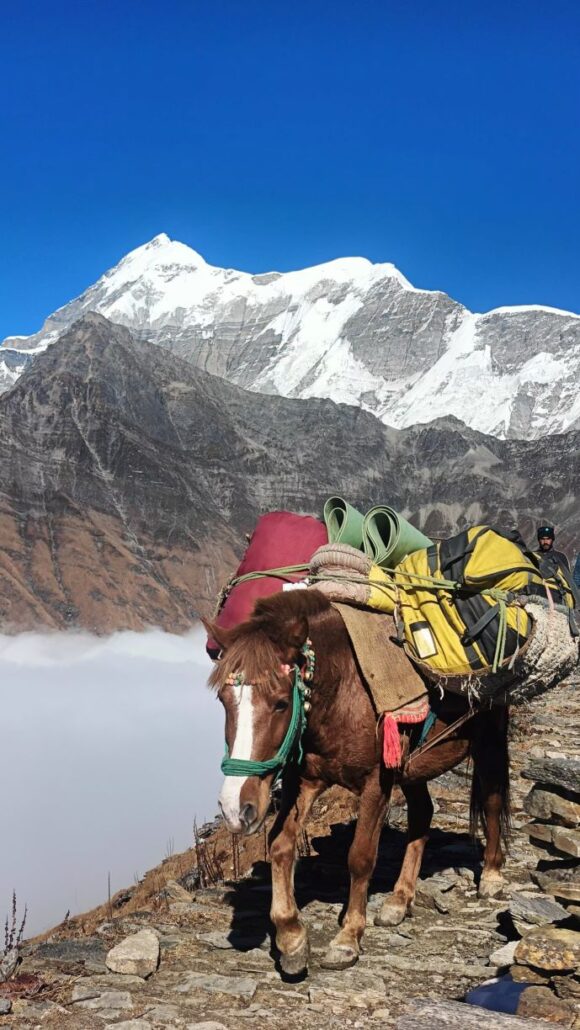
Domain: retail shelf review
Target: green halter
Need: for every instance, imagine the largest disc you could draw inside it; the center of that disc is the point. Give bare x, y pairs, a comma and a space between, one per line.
294, 733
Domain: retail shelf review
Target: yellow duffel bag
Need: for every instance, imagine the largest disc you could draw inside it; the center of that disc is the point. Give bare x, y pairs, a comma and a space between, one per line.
458, 608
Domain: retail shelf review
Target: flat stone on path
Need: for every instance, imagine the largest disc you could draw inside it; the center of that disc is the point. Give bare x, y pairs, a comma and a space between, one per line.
163, 1013
130, 1024
537, 909
91, 950
361, 999
438, 965
457, 1015
89, 998
238, 986
137, 954
209, 1024
5, 1006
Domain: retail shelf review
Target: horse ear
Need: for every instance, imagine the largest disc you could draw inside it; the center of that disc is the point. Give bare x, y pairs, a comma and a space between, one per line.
222, 636
294, 636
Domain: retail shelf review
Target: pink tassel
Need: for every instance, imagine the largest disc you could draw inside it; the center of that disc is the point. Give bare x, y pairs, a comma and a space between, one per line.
391, 742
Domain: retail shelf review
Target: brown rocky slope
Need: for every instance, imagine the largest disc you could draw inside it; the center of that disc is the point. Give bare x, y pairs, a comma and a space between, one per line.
128, 479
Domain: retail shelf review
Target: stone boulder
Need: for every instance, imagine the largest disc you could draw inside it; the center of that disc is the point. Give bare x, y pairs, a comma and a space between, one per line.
551, 948
137, 954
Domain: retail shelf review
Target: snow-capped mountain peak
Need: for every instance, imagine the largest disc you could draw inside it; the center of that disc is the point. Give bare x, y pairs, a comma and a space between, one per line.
356, 332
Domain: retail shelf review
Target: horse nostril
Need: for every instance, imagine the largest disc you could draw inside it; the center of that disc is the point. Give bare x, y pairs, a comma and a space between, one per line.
248, 813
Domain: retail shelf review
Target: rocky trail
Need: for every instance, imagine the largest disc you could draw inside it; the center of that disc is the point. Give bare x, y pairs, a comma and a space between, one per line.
195, 956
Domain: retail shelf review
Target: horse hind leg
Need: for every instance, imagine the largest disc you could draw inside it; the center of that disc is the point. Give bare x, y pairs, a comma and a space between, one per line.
492, 882
419, 814
490, 797
344, 950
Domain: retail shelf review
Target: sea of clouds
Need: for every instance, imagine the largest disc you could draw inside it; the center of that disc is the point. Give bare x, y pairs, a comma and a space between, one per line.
110, 748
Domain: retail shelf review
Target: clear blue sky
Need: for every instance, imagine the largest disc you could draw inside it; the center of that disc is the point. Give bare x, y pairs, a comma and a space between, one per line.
443, 136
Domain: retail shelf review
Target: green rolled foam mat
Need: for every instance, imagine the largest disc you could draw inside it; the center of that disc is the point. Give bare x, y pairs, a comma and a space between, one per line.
384, 535
344, 523
388, 537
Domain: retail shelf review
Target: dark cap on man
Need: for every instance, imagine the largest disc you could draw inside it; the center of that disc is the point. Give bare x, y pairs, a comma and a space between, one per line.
546, 531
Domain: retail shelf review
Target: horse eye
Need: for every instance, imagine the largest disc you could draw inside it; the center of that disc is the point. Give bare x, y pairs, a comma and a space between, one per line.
280, 706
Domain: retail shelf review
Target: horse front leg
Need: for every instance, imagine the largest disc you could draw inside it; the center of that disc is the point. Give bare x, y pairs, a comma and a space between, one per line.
419, 814
345, 948
291, 935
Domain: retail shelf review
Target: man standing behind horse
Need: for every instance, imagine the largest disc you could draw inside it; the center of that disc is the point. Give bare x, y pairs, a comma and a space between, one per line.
550, 559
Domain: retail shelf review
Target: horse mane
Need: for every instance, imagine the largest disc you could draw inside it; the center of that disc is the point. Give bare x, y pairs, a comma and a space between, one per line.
290, 604
253, 647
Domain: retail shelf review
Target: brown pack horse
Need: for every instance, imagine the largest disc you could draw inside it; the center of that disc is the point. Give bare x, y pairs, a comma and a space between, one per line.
253, 680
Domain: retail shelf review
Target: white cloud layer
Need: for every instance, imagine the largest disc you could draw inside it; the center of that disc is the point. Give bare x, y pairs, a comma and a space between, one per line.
111, 747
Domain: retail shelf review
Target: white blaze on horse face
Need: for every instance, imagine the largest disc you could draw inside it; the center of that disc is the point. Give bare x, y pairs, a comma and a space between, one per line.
229, 800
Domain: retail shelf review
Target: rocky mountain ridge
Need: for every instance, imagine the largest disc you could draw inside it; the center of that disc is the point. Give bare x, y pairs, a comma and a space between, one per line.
128, 479
348, 330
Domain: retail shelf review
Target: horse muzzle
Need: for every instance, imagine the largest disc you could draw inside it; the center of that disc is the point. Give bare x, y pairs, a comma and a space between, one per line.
241, 815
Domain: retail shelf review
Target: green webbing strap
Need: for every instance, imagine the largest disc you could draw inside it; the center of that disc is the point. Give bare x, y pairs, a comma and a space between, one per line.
284, 572
344, 523
411, 578
287, 572
501, 637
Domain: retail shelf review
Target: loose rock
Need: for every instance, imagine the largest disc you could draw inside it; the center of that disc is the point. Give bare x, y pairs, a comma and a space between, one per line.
551, 948
91, 952
536, 909
561, 771
239, 986
540, 1003
503, 956
130, 1024
89, 998
163, 1013
541, 804
138, 954
207, 1025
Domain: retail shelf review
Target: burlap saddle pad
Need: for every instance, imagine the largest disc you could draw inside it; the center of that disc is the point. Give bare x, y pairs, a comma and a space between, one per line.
394, 684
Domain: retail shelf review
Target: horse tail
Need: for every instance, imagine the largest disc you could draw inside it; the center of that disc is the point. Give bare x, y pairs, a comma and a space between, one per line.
491, 771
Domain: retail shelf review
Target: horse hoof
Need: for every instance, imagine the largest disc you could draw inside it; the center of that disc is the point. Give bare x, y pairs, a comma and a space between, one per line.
339, 956
490, 886
392, 914
295, 962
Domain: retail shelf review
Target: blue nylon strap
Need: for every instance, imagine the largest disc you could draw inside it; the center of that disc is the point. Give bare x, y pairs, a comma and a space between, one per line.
430, 721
